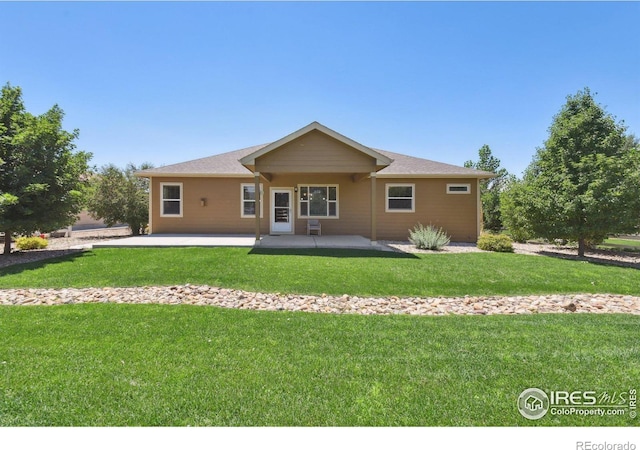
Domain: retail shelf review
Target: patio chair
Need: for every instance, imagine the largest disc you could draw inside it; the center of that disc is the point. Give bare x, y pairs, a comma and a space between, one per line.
314, 225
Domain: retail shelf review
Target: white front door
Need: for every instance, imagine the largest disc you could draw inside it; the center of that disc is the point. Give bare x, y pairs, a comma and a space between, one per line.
281, 211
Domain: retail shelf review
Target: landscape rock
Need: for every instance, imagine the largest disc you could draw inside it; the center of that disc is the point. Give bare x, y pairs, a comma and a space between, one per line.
342, 304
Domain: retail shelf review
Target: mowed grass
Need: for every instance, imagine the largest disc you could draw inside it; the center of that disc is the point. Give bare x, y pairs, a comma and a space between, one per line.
154, 365
330, 271
632, 245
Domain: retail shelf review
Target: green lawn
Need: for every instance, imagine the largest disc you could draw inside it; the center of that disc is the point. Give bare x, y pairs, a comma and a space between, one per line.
632, 245
106, 364
317, 271
148, 365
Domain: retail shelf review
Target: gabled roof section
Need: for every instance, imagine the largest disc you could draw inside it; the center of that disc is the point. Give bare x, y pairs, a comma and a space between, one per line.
381, 160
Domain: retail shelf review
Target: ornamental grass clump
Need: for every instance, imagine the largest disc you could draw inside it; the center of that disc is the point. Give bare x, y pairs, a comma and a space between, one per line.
428, 238
31, 243
495, 243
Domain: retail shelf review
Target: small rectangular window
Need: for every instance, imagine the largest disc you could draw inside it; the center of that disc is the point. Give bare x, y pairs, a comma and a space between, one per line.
400, 198
458, 188
248, 200
171, 199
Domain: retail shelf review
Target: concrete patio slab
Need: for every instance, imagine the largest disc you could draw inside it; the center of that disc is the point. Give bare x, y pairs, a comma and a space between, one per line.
180, 240
208, 240
298, 241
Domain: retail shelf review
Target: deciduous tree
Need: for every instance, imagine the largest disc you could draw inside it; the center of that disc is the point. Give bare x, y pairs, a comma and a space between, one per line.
512, 200
118, 196
42, 178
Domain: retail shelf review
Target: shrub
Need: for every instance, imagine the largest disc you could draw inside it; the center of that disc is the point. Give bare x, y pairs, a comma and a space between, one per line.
519, 234
428, 238
495, 243
31, 243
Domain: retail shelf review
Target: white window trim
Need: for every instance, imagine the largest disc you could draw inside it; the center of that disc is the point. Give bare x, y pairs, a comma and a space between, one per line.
297, 195
452, 185
162, 199
242, 200
413, 198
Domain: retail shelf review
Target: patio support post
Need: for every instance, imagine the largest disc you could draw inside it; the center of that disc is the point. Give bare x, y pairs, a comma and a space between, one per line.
373, 209
151, 205
258, 195
479, 220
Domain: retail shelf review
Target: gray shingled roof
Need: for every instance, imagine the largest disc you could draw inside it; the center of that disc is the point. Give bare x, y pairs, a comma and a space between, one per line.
224, 164
228, 165
405, 165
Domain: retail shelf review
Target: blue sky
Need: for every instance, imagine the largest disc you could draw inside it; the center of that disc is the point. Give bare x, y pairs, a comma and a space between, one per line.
169, 82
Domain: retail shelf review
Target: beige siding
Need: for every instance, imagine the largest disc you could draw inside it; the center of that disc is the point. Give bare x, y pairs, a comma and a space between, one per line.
221, 214
353, 203
456, 214
315, 152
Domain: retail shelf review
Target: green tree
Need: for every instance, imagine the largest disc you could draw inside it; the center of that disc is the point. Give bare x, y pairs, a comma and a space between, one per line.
584, 184
41, 178
491, 188
512, 201
632, 144
631, 141
118, 196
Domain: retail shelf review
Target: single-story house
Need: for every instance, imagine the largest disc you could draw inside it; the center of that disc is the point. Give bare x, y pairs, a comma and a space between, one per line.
314, 174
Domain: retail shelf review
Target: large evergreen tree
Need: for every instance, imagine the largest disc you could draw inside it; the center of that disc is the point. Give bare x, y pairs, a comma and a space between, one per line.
41, 178
584, 184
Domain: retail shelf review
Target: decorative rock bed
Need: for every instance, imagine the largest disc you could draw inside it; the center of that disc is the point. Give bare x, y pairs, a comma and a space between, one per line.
230, 298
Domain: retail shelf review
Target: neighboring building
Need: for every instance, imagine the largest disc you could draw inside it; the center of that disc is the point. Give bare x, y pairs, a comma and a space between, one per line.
314, 173
86, 222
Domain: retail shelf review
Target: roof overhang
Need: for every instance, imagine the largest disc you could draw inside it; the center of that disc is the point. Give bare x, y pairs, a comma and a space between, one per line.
482, 176
248, 174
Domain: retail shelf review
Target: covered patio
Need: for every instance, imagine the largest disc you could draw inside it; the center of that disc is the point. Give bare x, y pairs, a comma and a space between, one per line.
316, 174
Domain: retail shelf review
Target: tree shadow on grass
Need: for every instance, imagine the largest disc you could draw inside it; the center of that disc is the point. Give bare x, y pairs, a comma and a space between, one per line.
42, 259
331, 252
593, 258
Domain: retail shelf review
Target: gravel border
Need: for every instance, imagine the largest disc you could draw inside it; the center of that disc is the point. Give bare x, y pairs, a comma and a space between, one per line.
617, 258
345, 304
61, 246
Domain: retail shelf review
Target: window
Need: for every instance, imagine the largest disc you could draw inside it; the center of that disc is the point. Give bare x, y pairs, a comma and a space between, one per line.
400, 198
458, 188
171, 199
248, 200
318, 201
